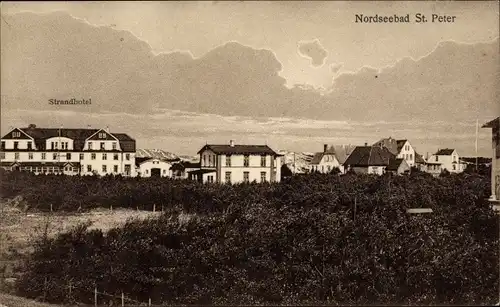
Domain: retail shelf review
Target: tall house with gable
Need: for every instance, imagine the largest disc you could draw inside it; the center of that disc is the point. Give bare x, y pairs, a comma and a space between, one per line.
237, 163
68, 151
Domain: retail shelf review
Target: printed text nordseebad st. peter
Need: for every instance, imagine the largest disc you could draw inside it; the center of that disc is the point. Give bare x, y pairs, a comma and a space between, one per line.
418, 18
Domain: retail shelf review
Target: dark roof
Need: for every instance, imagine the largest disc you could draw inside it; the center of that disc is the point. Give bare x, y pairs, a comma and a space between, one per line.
419, 158
444, 152
202, 171
393, 145
240, 149
183, 165
139, 160
79, 136
316, 159
369, 156
492, 124
342, 152
394, 164
400, 144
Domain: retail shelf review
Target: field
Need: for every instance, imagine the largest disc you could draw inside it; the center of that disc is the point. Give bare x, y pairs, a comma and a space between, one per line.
313, 239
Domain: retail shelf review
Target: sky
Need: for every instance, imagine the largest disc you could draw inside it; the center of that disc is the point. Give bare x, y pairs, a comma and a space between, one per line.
293, 75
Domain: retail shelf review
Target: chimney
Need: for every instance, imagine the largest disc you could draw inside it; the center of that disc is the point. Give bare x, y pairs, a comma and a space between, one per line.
325, 147
31, 126
366, 144
107, 129
231, 143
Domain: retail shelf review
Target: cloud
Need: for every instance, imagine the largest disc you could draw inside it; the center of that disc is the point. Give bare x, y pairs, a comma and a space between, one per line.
313, 51
56, 56
334, 68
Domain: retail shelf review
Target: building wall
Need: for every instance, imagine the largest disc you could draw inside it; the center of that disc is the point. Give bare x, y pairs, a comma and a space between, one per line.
327, 163
146, 166
446, 162
85, 158
237, 168
407, 153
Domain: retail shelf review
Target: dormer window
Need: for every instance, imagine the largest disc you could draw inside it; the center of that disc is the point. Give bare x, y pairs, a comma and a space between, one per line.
102, 135
16, 134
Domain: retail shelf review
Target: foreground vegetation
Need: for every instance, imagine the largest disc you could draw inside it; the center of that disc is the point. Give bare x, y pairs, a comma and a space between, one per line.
316, 239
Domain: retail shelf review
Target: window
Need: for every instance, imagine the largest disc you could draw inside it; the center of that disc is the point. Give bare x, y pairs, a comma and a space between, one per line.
16, 144
30, 156
54, 156
228, 162
105, 156
2, 155
262, 176
81, 156
127, 169
90, 145
246, 160
92, 156
228, 177
263, 161
29, 146
44, 156
89, 168
102, 135
115, 156
115, 168
210, 178
329, 168
454, 167
3, 144
16, 134
437, 158
114, 145
102, 146
454, 158
411, 156
204, 160
104, 168
68, 156
146, 171
127, 157
164, 172
246, 176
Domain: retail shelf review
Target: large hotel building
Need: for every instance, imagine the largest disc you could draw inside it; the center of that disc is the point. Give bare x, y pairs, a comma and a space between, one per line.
68, 151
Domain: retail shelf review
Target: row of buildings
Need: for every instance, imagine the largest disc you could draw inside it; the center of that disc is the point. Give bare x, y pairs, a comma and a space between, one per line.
101, 152
386, 155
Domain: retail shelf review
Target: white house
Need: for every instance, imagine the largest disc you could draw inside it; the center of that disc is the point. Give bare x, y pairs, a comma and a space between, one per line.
370, 160
68, 151
237, 163
449, 160
324, 162
153, 167
401, 148
495, 159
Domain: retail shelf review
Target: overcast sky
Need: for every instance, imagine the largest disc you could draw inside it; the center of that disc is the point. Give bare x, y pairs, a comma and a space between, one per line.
290, 74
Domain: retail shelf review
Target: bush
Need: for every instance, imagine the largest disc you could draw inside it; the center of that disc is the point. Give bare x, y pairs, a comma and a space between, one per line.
315, 239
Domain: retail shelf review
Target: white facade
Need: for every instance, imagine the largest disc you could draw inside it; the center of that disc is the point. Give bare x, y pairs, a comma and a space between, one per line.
51, 156
326, 164
238, 167
155, 167
450, 162
407, 153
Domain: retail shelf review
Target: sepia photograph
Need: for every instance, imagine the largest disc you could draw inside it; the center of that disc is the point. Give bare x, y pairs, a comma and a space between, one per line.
249, 153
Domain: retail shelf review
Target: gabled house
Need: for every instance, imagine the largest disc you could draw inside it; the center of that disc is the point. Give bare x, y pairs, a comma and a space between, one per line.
181, 170
397, 166
324, 162
495, 158
237, 163
420, 162
448, 159
68, 151
154, 167
369, 160
402, 149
